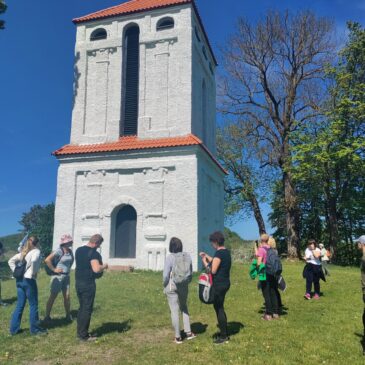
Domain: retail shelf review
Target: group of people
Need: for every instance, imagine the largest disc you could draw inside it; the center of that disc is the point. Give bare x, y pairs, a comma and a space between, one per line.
177, 275
89, 266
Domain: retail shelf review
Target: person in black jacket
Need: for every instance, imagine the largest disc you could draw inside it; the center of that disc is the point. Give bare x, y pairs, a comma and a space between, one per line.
89, 266
220, 266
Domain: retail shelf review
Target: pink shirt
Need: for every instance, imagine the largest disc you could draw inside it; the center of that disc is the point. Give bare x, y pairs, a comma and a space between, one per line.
262, 252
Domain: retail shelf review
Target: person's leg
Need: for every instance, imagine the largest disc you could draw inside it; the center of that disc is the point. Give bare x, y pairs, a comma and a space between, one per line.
55, 289
86, 297
173, 301
183, 298
66, 296
309, 281
50, 303
32, 296
273, 293
16, 317
316, 279
265, 287
219, 296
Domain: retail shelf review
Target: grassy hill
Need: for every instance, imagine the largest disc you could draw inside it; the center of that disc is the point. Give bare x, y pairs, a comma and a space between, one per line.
133, 321
11, 241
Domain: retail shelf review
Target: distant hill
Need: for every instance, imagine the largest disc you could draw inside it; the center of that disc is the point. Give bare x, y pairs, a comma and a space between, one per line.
234, 240
11, 241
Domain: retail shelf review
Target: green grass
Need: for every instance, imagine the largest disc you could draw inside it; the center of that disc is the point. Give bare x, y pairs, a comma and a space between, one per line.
132, 316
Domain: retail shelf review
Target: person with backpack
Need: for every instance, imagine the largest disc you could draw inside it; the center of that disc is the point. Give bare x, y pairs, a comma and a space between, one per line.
2, 251
177, 275
25, 266
89, 266
272, 244
269, 287
325, 258
220, 267
59, 265
312, 271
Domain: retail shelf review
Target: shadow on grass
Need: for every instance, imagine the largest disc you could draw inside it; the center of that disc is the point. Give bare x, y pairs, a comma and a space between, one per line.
362, 341
110, 327
282, 311
10, 300
198, 327
232, 329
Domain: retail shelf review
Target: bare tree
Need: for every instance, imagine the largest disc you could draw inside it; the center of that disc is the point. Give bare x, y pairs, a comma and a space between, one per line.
246, 184
273, 72
3, 8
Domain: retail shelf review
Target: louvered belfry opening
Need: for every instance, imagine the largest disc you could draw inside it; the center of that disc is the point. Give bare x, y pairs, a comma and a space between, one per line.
125, 232
130, 82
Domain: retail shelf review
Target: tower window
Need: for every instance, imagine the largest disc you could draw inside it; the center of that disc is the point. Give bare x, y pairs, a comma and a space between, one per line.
204, 52
197, 34
165, 23
211, 68
130, 81
98, 34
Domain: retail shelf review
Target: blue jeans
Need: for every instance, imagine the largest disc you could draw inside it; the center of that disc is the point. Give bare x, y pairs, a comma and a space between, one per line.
26, 289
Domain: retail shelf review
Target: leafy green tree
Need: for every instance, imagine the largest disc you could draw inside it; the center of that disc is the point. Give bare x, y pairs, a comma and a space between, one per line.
3, 8
40, 222
330, 156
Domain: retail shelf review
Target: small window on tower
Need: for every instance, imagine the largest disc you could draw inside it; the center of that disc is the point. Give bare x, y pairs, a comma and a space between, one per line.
197, 34
165, 23
204, 52
98, 34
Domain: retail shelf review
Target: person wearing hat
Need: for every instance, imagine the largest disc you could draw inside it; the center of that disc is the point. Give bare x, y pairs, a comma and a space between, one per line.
324, 259
60, 262
361, 245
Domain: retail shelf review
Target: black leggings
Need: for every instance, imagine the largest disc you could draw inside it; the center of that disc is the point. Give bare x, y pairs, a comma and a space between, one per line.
270, 292
313, 276
220, 292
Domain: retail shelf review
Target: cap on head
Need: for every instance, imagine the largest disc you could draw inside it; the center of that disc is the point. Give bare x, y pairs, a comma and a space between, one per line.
361, 240
66, 238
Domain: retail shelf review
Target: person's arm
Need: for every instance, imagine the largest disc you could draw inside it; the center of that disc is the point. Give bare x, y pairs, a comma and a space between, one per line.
167, 271
206, 259
259, 261
215, 264
13, 260
48, 262
316, 253
96, 267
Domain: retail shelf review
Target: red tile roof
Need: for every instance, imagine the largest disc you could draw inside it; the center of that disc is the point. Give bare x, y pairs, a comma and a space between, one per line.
131, 143
136, 6
133, 6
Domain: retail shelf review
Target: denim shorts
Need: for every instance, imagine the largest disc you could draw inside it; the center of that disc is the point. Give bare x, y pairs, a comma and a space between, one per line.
60, 283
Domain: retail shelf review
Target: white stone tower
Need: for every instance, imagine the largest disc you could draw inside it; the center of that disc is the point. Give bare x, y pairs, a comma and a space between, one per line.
140, 166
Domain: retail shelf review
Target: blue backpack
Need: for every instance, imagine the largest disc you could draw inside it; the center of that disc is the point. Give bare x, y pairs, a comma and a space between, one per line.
273, 263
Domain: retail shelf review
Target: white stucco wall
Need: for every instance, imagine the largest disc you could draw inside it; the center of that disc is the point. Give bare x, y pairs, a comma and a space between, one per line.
164, 78
203, 70
161, 186
210, 201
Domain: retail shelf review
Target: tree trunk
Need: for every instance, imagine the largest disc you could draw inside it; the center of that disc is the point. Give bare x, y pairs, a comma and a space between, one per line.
331, 214
257, 213
291, 208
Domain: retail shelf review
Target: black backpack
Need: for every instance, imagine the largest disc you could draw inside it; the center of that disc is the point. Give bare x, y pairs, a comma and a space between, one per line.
273, 263
20, 269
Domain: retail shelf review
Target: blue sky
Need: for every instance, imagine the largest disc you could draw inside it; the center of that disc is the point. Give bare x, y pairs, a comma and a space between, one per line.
36, 70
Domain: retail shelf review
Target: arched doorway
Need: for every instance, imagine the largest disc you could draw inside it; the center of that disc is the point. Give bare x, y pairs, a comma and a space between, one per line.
125, 232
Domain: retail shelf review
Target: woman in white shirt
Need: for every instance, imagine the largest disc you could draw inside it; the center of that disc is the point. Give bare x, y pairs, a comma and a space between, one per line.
313, 269
27, 287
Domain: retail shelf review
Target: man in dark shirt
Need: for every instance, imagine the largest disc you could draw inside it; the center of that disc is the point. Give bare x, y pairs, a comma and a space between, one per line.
89, 266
